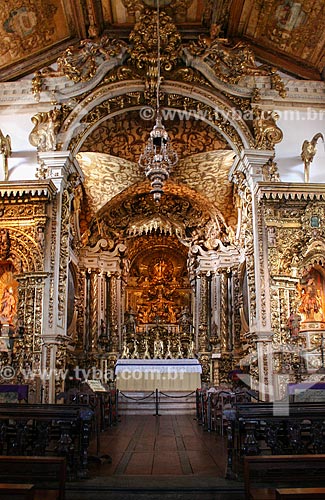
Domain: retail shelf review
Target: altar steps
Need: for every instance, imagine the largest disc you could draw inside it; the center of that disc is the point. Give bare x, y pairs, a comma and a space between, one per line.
144, 403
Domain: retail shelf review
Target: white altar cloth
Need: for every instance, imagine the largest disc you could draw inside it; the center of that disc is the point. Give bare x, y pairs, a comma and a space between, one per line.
162, 374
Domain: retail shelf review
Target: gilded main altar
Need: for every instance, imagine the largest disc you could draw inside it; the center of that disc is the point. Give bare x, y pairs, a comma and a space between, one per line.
229, 266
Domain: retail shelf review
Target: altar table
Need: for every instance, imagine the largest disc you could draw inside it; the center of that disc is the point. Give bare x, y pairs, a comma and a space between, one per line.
162, 374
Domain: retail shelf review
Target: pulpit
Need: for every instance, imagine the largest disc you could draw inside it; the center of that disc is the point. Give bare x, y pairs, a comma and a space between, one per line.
162, 374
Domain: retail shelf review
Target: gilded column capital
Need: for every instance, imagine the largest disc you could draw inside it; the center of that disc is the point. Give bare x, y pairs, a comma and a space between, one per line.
250, 163
59, 166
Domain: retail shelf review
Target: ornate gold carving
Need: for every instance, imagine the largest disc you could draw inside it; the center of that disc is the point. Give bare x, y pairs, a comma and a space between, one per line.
270, 171
37, 85
5, 244
117, 220
261, 243
144, 52
308, 152
231, 63
94, 306
176, 8
159, 293
223, 311
189, 75
267, 134
80, 308
243, 200
63, 256
124, 139
46, 126
5, 151
81, 63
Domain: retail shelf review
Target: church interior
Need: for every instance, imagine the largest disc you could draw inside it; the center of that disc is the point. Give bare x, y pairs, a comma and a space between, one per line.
162, 257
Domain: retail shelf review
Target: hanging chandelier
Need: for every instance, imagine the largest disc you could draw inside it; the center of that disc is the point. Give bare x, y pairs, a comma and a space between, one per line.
158, 157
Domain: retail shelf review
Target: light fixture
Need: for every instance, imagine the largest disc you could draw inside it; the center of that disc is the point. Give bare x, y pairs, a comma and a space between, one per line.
158, 157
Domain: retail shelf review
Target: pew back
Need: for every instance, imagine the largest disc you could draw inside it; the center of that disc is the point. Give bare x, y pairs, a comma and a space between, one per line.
264, 474
47, 474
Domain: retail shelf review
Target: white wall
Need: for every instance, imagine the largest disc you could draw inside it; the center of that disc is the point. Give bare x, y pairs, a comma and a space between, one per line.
17, 123
298, 125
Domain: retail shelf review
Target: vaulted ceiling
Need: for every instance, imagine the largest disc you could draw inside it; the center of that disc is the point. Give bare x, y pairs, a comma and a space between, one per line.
289, 34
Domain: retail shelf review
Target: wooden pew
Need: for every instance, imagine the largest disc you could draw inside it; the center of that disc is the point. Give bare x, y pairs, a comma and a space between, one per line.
267, 428
16, 491
300, 494
44, 429
264, 474
47, 474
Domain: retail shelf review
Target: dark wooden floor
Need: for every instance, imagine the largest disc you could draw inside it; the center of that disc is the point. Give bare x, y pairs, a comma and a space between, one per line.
168, 457
165, 445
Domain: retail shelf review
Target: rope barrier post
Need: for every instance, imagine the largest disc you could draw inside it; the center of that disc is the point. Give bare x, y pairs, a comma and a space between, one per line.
197, 400
157, 404
209, 412
116, 405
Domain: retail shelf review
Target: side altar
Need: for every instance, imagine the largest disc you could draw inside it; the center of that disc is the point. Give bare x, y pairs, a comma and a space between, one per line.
162, 374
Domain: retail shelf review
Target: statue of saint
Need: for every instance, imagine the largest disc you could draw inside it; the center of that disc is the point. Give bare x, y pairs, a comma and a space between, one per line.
8, 305
294, 324
310, 301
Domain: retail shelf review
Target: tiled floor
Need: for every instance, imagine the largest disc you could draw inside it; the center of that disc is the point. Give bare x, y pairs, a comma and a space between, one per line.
168, 457
165, 445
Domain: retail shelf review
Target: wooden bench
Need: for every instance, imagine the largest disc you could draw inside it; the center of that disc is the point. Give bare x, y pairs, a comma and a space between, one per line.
264, 474
300, 494
47, 474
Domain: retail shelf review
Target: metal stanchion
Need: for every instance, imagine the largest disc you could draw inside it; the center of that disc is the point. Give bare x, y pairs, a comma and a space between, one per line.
157, 403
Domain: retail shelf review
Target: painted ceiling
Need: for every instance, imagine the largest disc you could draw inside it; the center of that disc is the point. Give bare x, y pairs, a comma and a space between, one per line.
287, 33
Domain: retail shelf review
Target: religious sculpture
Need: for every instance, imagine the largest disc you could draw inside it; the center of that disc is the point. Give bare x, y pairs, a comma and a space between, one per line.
8, 306
125, 351
310, 301
158, 348
130, 322
146, 354
169, 354
293, 324
135, 354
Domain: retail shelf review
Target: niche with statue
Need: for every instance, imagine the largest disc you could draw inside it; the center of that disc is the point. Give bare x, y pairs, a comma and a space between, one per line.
311, 300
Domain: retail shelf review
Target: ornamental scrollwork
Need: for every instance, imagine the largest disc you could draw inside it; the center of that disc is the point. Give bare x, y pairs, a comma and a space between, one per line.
232, 62
266, 132
81, 63
46, 127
